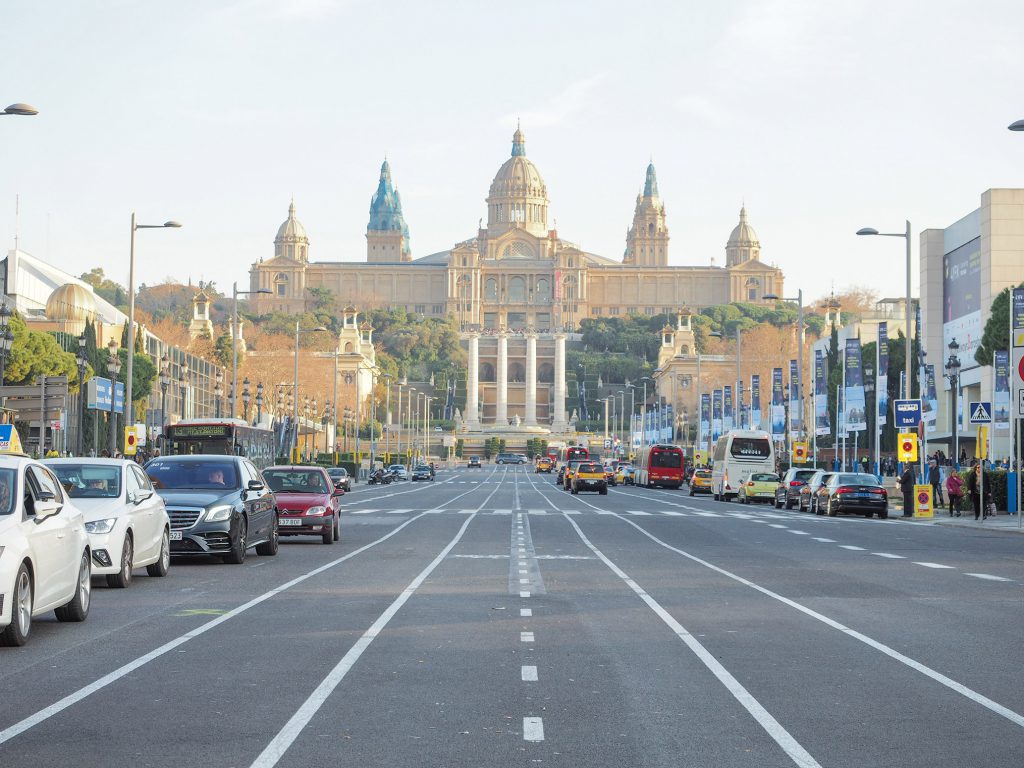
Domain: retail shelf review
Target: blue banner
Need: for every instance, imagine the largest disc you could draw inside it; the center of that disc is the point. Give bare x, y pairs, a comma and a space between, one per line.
1001, 398
716, 415
854, 407
755, 401
795, 411
931, 401
705, 418
882, 377
822, 422
727, 418
778, 406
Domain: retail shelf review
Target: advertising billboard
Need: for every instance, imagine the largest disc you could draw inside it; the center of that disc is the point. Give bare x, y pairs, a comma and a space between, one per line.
961, 297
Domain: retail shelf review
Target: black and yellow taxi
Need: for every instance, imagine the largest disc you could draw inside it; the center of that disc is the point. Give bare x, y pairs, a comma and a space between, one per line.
590, 476
700, 482
545, 464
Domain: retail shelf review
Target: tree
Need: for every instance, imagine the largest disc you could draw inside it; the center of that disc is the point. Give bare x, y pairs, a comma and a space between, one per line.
34, 354
997, 329
106, 288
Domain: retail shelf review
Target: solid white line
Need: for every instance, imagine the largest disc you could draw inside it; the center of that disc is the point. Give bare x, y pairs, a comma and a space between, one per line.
523, 571
886, 554
1014, 717
397, 511
671, 513
526, 611
529, 674
772, 727
524, 581
934, 565
987, 577
526, 637
275, 750
533, 729
851, 547
73, 698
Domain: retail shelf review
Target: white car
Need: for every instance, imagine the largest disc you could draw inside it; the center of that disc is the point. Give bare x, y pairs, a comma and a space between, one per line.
401, 473
126, 520
45, 562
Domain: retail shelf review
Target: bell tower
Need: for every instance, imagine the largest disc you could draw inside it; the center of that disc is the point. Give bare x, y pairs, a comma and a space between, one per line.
387, 234
647, 239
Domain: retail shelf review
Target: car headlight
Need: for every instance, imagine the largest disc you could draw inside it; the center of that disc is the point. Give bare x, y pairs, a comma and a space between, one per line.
314, 511
219, 513
101, 526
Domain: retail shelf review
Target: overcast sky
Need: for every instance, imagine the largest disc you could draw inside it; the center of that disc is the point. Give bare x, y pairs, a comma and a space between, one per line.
823, 116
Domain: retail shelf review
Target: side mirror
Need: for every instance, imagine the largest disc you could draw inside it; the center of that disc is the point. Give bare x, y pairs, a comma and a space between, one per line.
338, 491
46, 506
137, 497
255, 485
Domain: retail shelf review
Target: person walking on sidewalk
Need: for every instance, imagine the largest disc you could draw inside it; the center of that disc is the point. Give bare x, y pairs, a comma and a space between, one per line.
935, 480
907, 480
973, 483
955, 491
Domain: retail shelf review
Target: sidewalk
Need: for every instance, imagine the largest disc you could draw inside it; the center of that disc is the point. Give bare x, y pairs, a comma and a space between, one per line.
1001, 521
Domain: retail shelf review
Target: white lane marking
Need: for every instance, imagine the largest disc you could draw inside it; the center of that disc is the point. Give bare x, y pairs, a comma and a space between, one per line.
73, 698
523, 571
537, 511
502, 512
275, 750
886, 554
851, 548
529, 674
824, 541
526, 637
397, 511
777, 525
934, 565
800, 533
987, 577
524, 594
772, 727
605, 512
990, 704
533, 729
670, 513
637, 512
526, 612
361, 511
707, 514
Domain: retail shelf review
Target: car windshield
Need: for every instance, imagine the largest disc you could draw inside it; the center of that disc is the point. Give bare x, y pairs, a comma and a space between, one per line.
397, 467
857, 479
422, 468
8, 478
193, 474
296, 481
89, 481
764, 477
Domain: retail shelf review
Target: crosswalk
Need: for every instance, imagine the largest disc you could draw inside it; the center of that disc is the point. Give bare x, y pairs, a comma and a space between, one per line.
540, 512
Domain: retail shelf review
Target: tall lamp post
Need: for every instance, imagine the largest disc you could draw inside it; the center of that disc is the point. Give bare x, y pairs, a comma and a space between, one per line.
906, 235
246, 397
295, 412
387, 417
799, 299
622, 418
81, 361
235, 293
953, 374
113, 368
218, 393
6, 338
183, 383
165, 382
259, 402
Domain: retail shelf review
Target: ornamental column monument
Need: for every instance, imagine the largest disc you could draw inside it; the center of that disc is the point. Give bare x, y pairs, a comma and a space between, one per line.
501, 401
472, 414
559, 422
531, 380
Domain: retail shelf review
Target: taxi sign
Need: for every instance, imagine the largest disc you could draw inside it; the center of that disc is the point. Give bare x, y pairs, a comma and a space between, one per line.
907, 413
906, 445
799, 453
10, 441
131, 442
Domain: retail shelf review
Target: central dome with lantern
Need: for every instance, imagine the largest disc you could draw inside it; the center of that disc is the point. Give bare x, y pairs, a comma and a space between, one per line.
518, 198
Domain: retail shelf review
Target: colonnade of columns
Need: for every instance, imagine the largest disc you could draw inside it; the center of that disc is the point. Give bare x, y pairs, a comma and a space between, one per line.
472, 415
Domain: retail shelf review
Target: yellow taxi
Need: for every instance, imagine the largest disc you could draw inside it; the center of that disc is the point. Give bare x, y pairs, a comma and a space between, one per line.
590, 476
700, 482
544, 464
569, 471
624, 474
760, 486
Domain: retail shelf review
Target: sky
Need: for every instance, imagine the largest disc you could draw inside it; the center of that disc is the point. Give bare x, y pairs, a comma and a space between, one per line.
822, 117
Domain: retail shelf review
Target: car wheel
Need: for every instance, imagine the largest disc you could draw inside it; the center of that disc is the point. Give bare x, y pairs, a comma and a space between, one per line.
603, 491
269, 547
778, 504
883, 515
328, 535
337, 528
78, 608
163, 564
238, 547
123, 577
830, 511
789, 502
16, 633
574, 491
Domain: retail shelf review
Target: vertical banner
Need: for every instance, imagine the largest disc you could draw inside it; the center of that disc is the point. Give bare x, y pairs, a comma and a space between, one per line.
795, 411
716, 415
1001, 397
727, 419
1017, 317
739, 405
856, 418
705, 418
821, 418
755, 401
931, 405
778, 407
882, 377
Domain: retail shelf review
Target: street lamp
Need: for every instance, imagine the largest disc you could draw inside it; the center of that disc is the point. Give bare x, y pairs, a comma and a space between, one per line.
81, 361
6, 337
953, 374
165, 382
295, 412
183, 383
622, 418
1017, 125
113, 368
643, 412
246, 397
25, 110
131, 304
218, 392
906, 235
800, 348
259, 403
235, 293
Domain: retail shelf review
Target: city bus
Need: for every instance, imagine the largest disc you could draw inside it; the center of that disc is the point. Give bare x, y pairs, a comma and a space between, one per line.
738, 454
222, 437
660, 464
572, 453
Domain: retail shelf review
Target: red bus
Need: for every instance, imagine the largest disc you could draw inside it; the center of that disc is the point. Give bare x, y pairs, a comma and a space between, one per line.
660, 464
572, 453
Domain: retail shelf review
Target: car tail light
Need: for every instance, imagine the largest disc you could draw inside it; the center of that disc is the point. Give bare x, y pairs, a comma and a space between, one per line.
750, 484
795, 483
844, 490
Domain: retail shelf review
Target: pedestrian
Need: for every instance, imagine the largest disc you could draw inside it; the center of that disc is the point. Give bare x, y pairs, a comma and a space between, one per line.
935, 480
979, 502
907, 480
954, 491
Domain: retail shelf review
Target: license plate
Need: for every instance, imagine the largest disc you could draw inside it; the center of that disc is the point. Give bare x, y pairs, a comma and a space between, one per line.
175, 535
862, 495
289, 521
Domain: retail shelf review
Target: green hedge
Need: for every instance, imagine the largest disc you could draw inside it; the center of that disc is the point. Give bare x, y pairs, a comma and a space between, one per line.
995, 481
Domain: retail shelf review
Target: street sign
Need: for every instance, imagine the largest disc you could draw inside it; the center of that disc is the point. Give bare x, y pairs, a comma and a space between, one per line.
906, 444
923, 501
799, 453
907, 413
980, 412
1020, 403
608, 443
130, 441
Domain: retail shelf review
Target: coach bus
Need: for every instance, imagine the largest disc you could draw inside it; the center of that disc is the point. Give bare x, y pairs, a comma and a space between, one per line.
738, 454
660, 464
222, 437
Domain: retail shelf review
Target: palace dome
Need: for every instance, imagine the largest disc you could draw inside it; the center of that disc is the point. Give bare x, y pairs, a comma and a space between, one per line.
518, 197
743, 233
291, 231
71, 303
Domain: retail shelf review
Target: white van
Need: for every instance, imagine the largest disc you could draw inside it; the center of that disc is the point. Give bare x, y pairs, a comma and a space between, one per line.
738, 454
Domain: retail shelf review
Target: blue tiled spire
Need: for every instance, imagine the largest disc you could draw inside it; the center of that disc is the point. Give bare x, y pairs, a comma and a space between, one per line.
651, 184
386, 206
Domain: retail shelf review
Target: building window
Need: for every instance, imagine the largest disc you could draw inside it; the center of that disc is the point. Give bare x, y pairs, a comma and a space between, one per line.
280, 290
517, 289
419, 309
649, 311
595, 310
438, 309
491, 289
613, 310
543, 289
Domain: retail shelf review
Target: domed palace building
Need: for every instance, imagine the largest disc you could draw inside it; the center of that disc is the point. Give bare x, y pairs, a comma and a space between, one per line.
517, 288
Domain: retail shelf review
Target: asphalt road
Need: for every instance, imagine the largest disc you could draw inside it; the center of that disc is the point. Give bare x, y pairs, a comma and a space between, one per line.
491, 619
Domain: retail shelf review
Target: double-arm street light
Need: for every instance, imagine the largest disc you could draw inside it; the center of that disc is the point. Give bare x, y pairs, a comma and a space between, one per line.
235, 293
870, 231
953, 374
799, 299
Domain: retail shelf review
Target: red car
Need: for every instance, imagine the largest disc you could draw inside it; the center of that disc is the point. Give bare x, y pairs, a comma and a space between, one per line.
308, 504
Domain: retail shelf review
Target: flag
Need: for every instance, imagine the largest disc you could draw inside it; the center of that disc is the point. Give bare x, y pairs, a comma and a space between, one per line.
716, 415
795, 414
1001, 397
882, 376
822, 423
705, 418
727, 418
755, 401
856, 418
778, 407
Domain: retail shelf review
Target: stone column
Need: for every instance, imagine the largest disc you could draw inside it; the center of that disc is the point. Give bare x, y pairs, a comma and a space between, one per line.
531, 380
501, 401
472, 414
559, 423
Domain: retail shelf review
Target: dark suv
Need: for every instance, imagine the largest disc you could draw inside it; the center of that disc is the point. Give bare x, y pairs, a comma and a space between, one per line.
509, 458
788, 493
218, 505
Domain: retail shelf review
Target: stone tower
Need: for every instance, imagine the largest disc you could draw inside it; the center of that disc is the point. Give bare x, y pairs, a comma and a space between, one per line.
647, 239
201, 326
387, 234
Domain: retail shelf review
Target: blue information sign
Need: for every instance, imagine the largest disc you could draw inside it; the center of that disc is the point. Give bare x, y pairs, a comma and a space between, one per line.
907, 413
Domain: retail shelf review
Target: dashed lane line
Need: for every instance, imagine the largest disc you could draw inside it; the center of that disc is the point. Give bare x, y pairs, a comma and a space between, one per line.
987, 577
935, 565
533, 729
529, 674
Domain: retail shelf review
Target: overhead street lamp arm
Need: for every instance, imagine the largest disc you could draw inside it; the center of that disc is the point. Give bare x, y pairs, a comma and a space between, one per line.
25, 110
1017, 125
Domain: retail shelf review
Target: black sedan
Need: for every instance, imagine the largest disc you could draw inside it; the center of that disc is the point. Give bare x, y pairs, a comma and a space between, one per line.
341, 478
422, 472
854, 492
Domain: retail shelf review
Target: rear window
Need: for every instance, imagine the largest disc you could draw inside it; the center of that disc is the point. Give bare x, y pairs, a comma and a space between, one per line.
764, 477
703, 473
590, 468
667, 459
858, 479
804, 474
751, 448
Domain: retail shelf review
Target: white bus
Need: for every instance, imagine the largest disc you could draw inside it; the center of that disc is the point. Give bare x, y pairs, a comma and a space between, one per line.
738, 454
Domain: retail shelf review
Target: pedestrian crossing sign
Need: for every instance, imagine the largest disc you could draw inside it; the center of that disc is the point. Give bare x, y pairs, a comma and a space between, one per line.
981, 412
906, 443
